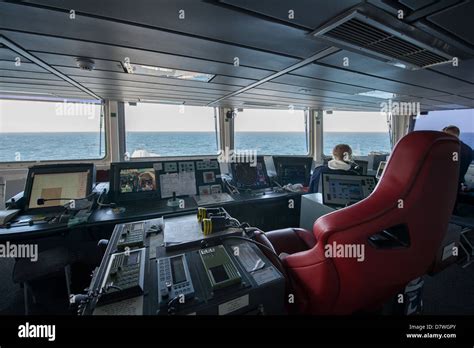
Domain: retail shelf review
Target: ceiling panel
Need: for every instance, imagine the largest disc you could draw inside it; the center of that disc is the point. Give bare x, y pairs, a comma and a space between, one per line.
212, 34
316, 91
307, 13
297, 96
464, 71
100, 74
25, 86
462, 25
302, 81
41, 91
421, 77
200, 19
467, 102
34, 81
247, 102
373, 83
160, 84
155, 97
28, 74
9, 55
417, 4
40, 21
22, 66
143, 94
33, 42
71, 61
172, 89
230, 80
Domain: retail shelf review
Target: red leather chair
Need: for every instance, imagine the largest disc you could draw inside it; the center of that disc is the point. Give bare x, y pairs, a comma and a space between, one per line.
400, 225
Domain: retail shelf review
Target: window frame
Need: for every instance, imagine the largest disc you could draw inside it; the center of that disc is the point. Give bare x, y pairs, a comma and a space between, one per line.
217, 129
324, 155
97, 161
308, 134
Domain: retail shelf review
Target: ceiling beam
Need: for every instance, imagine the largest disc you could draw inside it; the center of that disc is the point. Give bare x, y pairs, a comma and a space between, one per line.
14, 47
319, 55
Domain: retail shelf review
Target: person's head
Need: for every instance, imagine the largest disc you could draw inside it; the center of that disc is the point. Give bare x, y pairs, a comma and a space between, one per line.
453, 130
342, 152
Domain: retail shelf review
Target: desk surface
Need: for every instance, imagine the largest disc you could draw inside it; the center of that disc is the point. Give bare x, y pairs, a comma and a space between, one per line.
136, 210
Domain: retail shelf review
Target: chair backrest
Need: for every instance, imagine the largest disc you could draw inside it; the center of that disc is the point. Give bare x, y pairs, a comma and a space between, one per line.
367, 252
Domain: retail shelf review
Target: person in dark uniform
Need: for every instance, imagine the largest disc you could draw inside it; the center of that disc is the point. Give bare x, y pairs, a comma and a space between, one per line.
341, 163
465, 154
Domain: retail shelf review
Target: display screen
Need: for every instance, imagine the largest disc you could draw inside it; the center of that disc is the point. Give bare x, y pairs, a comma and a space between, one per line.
295, 174
346, 189
177, 269
136, 227
250, 176
380, 169
137, 180
58, 185
219, 274
133, 258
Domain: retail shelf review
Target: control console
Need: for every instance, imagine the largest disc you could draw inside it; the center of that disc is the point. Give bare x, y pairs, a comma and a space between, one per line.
132, 235
124, 276
174, 278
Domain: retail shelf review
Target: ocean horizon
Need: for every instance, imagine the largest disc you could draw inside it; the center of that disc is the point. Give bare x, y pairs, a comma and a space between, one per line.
89, 145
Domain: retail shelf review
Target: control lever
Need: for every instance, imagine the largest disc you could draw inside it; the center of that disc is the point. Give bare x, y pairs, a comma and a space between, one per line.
173, 202
102, 246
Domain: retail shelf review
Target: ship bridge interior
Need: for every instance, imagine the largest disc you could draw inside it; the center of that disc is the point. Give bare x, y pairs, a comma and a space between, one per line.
406, 62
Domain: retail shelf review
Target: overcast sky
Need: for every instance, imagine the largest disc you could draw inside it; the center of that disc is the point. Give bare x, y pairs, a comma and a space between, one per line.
35, 116
26, 116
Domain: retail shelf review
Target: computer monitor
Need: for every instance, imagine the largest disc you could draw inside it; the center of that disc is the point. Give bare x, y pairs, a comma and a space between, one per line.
380, 169
293, 170
134, 181
362, 166
343, 189
55, 185
249, 175
375, 159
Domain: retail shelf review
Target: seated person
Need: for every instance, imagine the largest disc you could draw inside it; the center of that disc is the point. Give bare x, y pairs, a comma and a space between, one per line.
340, 164
465, 154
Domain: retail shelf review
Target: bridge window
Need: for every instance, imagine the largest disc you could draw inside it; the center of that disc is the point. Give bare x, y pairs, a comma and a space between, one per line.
44, 130
271, 132
364, 132
437, 120
154, 130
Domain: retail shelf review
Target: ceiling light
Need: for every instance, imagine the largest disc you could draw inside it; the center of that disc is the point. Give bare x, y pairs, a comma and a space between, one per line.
378, 94
166, 72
